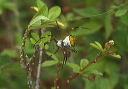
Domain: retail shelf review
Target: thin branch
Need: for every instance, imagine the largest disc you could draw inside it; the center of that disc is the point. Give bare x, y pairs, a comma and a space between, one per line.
57, 76
24, 63
76, 74
39, 70
39, 65
23, 56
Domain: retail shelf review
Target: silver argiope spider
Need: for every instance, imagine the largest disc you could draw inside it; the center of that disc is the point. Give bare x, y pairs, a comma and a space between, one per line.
65, 44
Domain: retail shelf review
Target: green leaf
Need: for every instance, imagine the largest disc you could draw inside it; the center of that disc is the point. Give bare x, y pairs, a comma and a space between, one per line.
95, 46
75, 67
95, 72
48, 33
33, 41
5, 61
10, 52
117, 56
38, 25
15, 69
46, 37
83, 62
53, 56
35, 36
88, 12
38, 18
90, 67
42, 11
54, 12
44, 46
40, 4
99, 45
121, 12
94, 25
49, 63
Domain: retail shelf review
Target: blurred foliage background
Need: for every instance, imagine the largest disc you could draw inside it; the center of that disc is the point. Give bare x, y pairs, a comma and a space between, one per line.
107, 19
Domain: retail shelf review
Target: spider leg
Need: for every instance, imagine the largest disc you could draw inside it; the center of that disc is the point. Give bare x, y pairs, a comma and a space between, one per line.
53, 38
64, 61
65, 57
54, 52
73, 50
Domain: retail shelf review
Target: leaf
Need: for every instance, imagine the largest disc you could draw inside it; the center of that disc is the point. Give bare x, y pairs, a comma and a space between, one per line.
54, 12
95, 72
75, 67
42, 11
44, 46
93, 25
38, 18
40, 4
95, 46
121, 12
53, 56
5, 60
88, 12
38, 25
90, 67
49, 63
48, 33
46, 37
117, 56
99, 45
33, 41
35, 36
10, 52
83, 62
15, 69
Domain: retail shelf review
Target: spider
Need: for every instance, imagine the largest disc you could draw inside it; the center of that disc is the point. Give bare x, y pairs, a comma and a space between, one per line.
66, 44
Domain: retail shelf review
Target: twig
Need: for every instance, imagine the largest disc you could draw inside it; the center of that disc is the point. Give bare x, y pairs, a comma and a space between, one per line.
23, 56
76, 74
57, 76
24, 63
39, 70
39, 65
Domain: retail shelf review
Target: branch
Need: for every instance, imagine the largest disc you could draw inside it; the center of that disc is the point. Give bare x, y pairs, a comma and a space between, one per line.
24, 63
57, 76
39, 70
39, 65
76, 74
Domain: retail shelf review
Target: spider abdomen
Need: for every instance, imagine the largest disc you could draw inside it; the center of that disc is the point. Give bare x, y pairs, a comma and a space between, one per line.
68, 41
